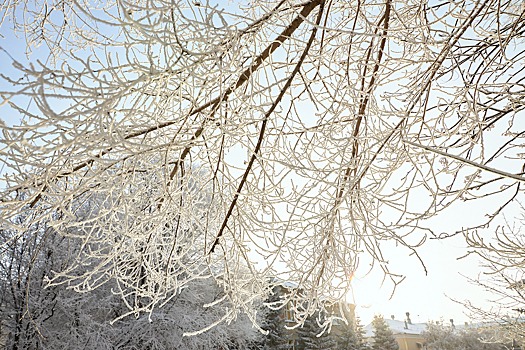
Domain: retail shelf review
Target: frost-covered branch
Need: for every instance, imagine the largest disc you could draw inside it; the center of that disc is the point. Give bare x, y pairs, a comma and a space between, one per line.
179, 141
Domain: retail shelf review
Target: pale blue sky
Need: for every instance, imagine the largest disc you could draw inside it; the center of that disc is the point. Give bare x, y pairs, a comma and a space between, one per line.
428, 297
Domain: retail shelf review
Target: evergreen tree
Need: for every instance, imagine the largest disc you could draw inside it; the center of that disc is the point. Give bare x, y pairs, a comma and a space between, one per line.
305, 334
278, 337
352, 337
383, 336
360, 335
308, 339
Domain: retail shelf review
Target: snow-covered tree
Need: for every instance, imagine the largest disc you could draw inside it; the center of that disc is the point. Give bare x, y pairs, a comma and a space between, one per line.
309, 336
352, 336
274, 322
383, 338
503, 263
325, 129
25, 304
57, 317
442, 337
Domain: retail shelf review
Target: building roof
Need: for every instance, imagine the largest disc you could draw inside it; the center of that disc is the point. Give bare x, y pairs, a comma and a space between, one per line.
285, 283
398, 327
289, 284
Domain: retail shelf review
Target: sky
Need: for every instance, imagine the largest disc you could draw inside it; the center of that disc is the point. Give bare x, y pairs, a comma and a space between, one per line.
437, 295
425, 296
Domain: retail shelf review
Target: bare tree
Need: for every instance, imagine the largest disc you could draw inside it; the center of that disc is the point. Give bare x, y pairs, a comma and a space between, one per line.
292, 137
25, 262
57, 317
439, 336
503, 277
